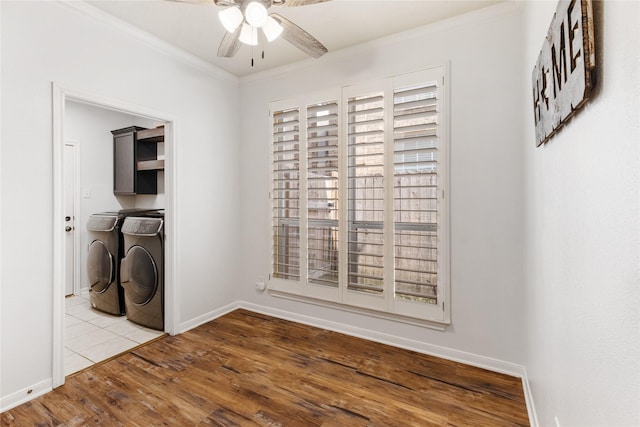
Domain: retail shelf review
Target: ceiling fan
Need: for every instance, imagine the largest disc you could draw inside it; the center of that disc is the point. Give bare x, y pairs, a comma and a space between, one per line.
244, 18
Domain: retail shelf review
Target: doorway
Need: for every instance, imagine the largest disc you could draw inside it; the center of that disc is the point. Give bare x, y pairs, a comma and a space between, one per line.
66, 259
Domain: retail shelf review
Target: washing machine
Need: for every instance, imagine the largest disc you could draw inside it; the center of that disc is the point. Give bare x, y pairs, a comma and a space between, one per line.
142, 269
103, 260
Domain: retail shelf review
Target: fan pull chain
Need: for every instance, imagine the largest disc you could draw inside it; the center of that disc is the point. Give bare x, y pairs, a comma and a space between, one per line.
253, 51
261, 41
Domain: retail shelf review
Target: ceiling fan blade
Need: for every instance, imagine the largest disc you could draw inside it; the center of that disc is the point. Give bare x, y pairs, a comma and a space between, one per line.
293, 3
300, 38
204, 2
230, 44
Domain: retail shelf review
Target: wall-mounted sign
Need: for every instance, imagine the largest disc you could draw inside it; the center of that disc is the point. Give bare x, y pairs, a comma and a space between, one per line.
562, 77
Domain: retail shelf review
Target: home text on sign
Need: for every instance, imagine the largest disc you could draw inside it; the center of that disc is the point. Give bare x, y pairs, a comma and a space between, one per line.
562, 75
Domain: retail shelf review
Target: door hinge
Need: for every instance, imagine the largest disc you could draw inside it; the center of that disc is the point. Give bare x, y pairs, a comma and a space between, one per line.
442, 305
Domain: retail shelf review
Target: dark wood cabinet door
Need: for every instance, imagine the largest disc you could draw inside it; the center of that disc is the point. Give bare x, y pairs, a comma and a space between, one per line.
124, 164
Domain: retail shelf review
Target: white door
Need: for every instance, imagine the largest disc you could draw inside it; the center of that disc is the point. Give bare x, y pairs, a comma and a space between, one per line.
69, 217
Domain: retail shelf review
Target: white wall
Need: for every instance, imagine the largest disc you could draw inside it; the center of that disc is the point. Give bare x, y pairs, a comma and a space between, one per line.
486, 163
89, 128
545, 241
582, 235
44, 42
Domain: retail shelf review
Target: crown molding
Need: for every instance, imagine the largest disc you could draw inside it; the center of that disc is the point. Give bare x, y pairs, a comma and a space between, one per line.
474, 17
149, 40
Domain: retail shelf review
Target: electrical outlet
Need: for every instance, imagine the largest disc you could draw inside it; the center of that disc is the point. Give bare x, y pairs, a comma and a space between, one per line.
260, 284
557, 421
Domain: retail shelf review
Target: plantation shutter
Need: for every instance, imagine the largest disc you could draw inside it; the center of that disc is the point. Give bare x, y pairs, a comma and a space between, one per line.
365, 210
360, 175
415, 130
322, 193
286, 194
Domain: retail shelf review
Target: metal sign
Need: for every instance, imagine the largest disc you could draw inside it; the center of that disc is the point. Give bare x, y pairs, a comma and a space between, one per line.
562, 77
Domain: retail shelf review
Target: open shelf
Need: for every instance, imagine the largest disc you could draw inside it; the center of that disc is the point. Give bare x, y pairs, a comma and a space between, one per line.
151, 135
148, 165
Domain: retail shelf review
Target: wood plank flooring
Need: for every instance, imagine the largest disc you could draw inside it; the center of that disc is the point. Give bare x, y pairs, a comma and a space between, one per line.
247, 369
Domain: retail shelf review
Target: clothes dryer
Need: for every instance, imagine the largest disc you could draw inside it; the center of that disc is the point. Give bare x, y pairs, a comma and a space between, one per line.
142, 269
103, 260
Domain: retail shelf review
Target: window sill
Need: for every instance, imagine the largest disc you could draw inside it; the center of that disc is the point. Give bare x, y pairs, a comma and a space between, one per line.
438, 325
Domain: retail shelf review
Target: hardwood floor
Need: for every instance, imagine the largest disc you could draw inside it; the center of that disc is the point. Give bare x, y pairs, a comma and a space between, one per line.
249, 369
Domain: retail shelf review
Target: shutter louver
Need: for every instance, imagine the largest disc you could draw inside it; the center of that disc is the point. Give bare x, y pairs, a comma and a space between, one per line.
416, 192
365, 211
286, 194
322, 193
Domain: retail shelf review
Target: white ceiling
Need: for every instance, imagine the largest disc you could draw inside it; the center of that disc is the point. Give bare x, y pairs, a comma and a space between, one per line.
337, 24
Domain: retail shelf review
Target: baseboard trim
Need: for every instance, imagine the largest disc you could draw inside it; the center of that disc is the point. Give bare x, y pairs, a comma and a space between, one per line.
25, 395
472, 359
528, 396
407, 344
207, 317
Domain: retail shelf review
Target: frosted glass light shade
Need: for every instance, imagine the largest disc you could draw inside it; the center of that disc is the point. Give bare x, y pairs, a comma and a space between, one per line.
230, 17
255, 14
272, 29
249, 35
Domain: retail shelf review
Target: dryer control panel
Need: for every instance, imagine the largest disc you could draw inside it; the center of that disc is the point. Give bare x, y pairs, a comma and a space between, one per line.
137, 226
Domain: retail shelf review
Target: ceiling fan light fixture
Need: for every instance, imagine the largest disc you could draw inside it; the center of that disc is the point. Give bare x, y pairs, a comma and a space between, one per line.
272, 29
255, 14
231, 17
249, 35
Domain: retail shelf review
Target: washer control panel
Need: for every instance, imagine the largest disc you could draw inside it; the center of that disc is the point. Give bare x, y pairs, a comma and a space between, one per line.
102, 222
137, 226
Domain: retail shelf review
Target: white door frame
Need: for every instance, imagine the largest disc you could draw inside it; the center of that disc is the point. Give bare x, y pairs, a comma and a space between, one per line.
60, 96
76, 215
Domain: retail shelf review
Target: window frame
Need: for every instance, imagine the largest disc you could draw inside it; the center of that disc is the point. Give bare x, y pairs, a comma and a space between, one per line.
386, 305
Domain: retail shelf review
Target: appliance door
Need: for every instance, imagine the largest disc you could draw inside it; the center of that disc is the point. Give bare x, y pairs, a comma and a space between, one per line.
139, 275
100, 267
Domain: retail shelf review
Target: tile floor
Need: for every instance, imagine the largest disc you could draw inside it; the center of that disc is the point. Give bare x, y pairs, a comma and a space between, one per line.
92, 336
